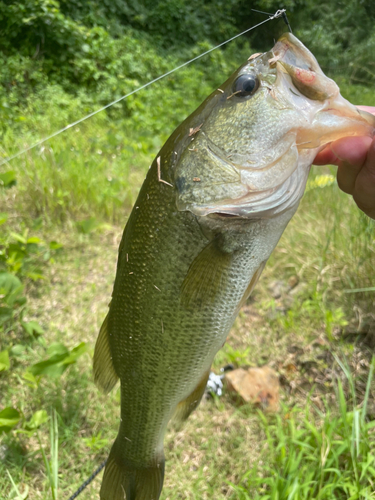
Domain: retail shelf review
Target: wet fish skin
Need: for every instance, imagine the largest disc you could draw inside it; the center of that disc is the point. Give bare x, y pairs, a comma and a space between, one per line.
214, 204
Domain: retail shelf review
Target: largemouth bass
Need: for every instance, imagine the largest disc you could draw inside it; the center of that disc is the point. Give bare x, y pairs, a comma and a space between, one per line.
213, 206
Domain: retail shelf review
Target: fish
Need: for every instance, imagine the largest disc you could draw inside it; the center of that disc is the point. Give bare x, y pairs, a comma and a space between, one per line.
212, 208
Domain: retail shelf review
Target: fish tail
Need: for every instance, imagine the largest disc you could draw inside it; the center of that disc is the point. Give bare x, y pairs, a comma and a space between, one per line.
122, 481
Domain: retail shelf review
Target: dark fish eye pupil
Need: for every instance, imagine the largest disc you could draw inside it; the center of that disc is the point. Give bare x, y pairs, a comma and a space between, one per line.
248, 86
245, 85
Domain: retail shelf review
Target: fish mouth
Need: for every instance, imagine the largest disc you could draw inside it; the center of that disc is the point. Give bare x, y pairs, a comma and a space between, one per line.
331, 116
293, 58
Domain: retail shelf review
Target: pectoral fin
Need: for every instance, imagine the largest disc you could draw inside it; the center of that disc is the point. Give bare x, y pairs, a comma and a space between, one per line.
105, 375
207, 275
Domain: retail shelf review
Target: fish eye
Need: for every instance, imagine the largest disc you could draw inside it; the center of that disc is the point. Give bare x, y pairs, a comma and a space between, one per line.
245, 85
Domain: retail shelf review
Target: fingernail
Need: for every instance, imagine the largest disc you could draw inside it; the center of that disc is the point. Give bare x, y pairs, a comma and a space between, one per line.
337, 157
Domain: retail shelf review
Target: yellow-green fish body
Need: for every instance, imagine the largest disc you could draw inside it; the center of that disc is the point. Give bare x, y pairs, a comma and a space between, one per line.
212, 208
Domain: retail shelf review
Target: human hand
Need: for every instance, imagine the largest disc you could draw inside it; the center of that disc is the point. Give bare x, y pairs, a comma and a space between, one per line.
355, 158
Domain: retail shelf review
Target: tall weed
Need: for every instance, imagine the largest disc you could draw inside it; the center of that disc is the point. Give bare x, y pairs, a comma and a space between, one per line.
322, 455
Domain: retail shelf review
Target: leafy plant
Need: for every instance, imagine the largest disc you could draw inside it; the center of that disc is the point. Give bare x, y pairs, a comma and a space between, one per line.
60, 358
12, 300
24, 255
9, 418
96, 442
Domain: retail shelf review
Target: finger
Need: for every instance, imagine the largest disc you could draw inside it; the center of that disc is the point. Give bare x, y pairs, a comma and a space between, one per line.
352, 150
351, 154
364, 192
369, 109
326, 157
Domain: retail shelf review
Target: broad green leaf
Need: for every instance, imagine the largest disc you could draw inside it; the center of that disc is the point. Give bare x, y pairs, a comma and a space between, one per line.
9, 283
33, 240
31, 380
59, 360
19, 237
12, 291
6, 313
35, 276
53, 366
54, 245
4, 361
56, 348
32, 328
18, 350
76, 353
9, 417
38, 418
8, 179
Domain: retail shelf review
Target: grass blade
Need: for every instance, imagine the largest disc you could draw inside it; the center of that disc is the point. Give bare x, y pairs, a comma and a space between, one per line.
367, 393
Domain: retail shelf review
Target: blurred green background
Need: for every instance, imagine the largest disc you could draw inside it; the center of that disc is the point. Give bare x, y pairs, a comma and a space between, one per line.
62, 209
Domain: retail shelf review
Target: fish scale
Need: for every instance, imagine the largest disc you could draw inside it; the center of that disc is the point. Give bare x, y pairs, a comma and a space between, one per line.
212, 208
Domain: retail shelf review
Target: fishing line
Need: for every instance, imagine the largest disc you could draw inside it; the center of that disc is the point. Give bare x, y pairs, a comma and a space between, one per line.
279, 13
88, 481
283, 14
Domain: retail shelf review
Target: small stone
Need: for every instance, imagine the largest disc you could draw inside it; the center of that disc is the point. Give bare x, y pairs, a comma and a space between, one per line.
259, 386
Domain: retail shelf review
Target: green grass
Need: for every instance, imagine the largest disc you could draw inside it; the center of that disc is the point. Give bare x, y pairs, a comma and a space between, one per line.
301, 321
319, 454
95, 168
